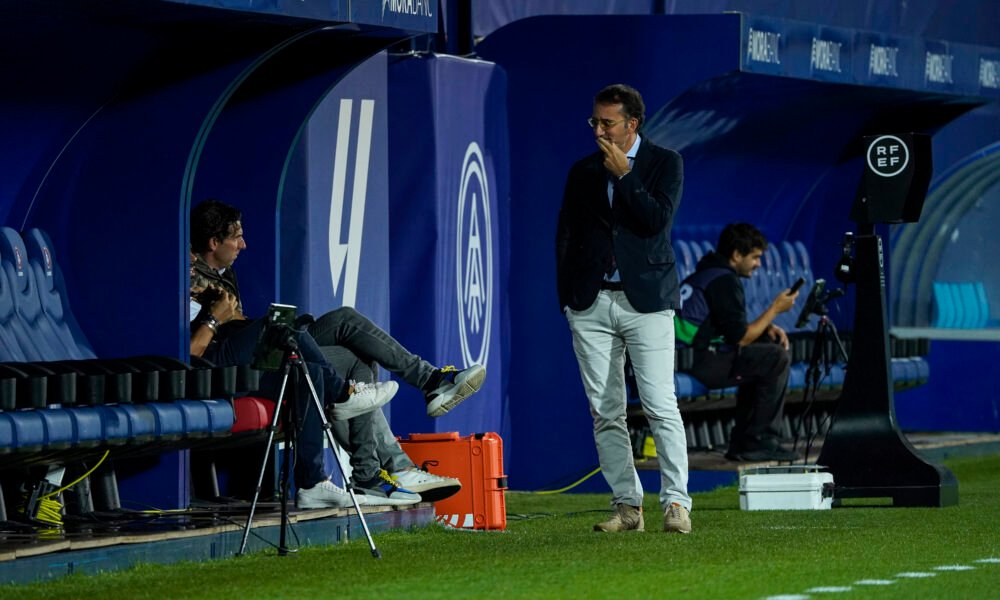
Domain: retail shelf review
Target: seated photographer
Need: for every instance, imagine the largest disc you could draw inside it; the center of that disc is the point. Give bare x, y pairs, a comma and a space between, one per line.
222, 336
215, 247
216, 235
729, 351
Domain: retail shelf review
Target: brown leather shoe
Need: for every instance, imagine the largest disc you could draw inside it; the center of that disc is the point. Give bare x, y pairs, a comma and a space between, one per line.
676, 519
625, 518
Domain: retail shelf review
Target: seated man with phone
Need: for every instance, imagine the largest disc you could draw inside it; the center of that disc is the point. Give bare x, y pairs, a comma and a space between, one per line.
730, 351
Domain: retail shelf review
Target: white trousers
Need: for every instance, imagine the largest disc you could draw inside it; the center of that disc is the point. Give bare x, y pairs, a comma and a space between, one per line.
601, 334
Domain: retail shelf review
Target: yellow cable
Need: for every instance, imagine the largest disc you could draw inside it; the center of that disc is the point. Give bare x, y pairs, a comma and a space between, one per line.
49, 512
79, 479
160, 511
50, 509
574, 484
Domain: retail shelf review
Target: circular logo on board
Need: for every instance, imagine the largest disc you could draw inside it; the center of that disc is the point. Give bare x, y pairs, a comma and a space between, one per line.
888, 156
474, 259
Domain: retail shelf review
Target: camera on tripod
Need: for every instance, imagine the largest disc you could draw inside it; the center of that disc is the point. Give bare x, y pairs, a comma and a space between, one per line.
277, 350
277, 338
816, 302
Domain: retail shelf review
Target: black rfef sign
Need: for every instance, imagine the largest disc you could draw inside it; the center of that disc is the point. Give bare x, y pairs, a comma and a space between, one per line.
897, 171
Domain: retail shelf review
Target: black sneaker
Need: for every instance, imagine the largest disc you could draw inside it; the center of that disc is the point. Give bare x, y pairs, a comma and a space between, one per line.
451, 387
764, 455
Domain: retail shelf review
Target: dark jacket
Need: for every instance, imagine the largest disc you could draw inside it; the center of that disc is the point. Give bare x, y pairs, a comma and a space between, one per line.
714, 310
636, 231
202, 275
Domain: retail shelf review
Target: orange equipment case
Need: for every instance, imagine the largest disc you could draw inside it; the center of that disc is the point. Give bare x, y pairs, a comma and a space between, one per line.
477, 461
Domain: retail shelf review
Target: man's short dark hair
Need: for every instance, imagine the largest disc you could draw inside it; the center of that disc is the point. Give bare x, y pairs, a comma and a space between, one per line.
741, 237
211, 219
628, 97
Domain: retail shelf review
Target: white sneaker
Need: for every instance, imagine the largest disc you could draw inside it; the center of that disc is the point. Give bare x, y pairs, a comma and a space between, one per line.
366, 398
324, 494
431, 487
455, 387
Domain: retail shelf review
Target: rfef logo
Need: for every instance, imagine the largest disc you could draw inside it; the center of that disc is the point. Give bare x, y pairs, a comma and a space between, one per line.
888, 156
474, 259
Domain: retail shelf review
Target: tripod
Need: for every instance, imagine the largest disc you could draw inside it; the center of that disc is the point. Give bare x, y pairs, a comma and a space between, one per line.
827, 347
293, 360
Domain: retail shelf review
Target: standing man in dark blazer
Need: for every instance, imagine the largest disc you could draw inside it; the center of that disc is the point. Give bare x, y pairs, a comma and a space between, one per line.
618, 287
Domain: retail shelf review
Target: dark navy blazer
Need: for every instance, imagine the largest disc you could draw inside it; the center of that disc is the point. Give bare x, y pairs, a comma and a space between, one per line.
636, 230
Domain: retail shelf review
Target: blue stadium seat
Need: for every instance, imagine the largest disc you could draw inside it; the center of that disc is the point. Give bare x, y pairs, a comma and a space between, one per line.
797, 376
697, 251
804, 263
688, 388
945, 311
682, 255
685, 258
52, 294
39, 340
984, 304
706, 247
25, 431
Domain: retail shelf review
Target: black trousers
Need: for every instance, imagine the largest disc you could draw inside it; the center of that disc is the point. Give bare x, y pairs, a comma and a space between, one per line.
760, 370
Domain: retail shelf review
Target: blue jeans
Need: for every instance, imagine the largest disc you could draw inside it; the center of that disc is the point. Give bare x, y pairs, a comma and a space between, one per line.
235, 345
367, 437
350, 329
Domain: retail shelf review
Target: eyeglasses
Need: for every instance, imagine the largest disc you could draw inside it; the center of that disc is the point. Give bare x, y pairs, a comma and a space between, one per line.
604, 123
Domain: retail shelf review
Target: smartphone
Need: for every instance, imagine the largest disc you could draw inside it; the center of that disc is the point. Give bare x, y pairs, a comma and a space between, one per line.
268, 356
796, 285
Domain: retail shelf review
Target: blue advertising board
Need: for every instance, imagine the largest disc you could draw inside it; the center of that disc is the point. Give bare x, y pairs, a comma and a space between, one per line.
448, 201
333, 242
817, 52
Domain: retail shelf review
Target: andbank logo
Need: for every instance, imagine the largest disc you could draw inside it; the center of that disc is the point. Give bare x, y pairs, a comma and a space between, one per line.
474, 259
345, 257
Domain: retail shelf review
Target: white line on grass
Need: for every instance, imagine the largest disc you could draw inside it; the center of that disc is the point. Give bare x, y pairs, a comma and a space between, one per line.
833, 589
954, 568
